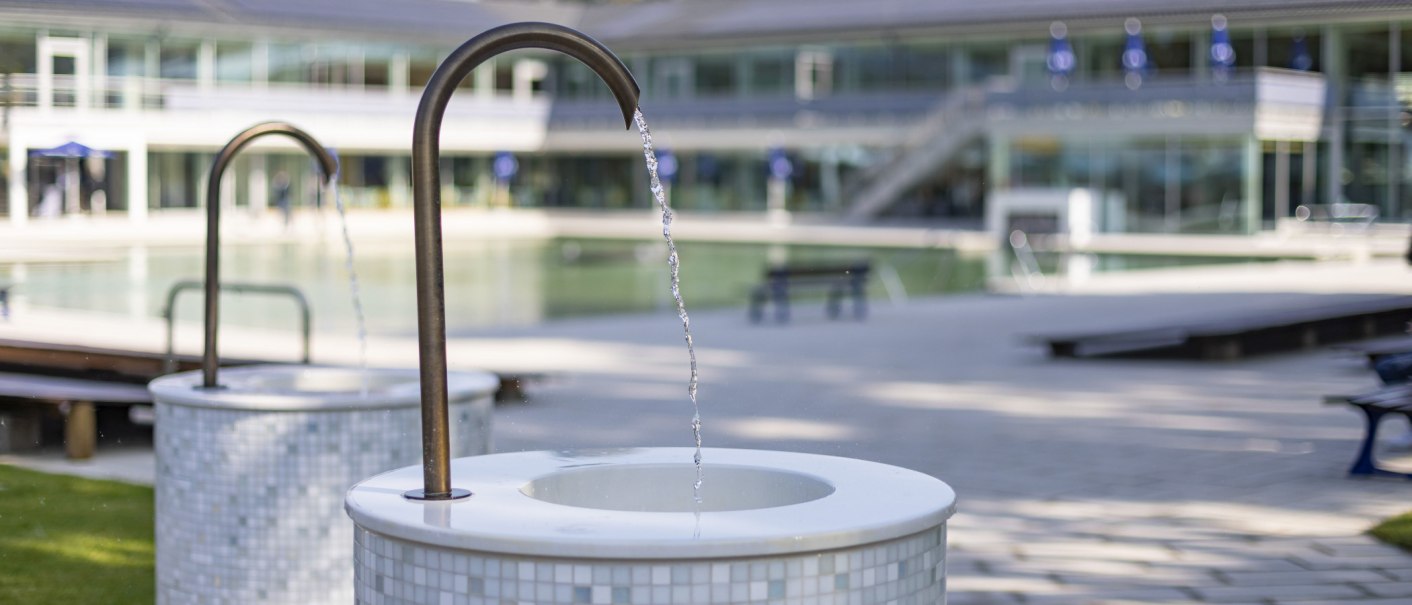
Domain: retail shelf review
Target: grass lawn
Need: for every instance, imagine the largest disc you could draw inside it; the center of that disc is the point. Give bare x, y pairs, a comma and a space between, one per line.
70, 540
1396, 531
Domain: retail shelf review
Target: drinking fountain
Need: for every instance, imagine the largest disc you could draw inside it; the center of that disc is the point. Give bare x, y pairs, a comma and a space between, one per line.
606, 526
252, 461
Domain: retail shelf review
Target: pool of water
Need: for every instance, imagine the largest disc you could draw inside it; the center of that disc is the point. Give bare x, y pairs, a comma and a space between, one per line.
493, 283
504, 282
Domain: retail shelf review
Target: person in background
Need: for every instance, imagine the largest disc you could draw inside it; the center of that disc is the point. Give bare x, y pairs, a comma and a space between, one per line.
282, 196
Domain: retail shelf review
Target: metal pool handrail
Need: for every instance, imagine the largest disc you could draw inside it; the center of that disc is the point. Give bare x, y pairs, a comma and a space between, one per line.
169, 312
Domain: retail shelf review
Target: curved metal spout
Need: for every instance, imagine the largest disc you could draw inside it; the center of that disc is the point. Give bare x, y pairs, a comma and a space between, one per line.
327, 164
426, 196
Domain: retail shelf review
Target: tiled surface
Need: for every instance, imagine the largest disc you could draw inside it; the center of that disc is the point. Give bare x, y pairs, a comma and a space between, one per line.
906, 571
250, 503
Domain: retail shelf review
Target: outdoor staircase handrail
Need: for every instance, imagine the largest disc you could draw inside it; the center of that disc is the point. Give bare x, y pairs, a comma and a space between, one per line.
956, 118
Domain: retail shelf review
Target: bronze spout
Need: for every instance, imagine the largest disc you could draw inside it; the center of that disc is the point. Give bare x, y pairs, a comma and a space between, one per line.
327, 164
426, 196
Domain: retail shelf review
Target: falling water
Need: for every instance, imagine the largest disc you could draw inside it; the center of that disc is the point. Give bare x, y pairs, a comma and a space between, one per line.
353, 289
675, 263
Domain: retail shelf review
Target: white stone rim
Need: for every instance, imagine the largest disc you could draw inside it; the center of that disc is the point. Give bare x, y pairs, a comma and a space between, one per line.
872, 502
181, 389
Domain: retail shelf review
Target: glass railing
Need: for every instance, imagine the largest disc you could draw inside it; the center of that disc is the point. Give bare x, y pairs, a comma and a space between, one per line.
139, 93
1238, 87
857, 109
844, 109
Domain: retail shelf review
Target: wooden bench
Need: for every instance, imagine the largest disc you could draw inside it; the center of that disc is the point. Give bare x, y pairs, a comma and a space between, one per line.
1396, 399
75, 399
837, 281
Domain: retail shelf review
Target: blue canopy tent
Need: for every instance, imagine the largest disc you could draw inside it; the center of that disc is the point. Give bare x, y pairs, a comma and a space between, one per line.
71, 152
71, 149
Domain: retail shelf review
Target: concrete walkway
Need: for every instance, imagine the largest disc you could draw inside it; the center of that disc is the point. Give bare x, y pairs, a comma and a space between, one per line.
1081, 481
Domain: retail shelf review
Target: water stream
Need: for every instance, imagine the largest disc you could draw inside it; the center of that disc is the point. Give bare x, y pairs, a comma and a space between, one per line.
674, 262
353, 289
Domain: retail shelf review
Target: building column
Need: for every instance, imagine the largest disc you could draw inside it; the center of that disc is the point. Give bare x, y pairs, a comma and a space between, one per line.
229, 199
1201, 55
1394, 126
258, 184
1172, 188
1333, 60
19, 185
960, 68
99, 52
398, 74
1308, 186
397, 182
206, 66
260, 65
1252, 184
484, 76
998, 167
137, 181
1260, 47
1281, 181
830, 188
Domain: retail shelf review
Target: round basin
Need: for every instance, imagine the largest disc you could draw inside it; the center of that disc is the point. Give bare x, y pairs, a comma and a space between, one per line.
303, 387
639, 504
639, 487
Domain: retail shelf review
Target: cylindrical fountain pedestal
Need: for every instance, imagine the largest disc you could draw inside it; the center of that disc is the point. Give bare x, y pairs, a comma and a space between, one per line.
251, 476
621, 526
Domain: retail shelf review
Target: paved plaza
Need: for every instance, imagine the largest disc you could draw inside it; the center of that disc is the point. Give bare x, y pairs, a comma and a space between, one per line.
1080, 481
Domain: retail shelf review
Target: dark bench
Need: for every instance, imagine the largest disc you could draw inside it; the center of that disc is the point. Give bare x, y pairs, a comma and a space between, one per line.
837, 281
1236, 333
1396, 399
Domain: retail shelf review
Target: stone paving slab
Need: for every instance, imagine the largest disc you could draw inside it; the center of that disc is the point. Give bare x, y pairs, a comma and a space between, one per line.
1080, 481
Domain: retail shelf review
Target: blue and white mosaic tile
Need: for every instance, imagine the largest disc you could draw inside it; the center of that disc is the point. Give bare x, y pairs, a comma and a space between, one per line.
250, 502
905, 571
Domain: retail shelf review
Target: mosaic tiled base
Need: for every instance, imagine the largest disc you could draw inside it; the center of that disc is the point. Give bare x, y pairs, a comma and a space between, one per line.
250, 503
905, 571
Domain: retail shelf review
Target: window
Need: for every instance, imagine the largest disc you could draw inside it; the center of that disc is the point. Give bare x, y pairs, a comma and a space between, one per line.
178, 60
233, 61
924, 67
715, 76
286, 63
125, 57
770, 72
17, 54
988, 62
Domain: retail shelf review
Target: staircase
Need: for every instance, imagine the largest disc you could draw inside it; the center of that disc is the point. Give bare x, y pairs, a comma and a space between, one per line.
957, 119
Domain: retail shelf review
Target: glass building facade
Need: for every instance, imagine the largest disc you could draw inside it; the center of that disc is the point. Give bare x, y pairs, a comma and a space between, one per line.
1172, 181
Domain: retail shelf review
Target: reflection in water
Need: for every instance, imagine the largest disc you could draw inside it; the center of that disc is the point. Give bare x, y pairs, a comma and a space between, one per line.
488, 283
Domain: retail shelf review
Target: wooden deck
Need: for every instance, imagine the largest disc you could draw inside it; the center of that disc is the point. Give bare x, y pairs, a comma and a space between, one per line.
74, 380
